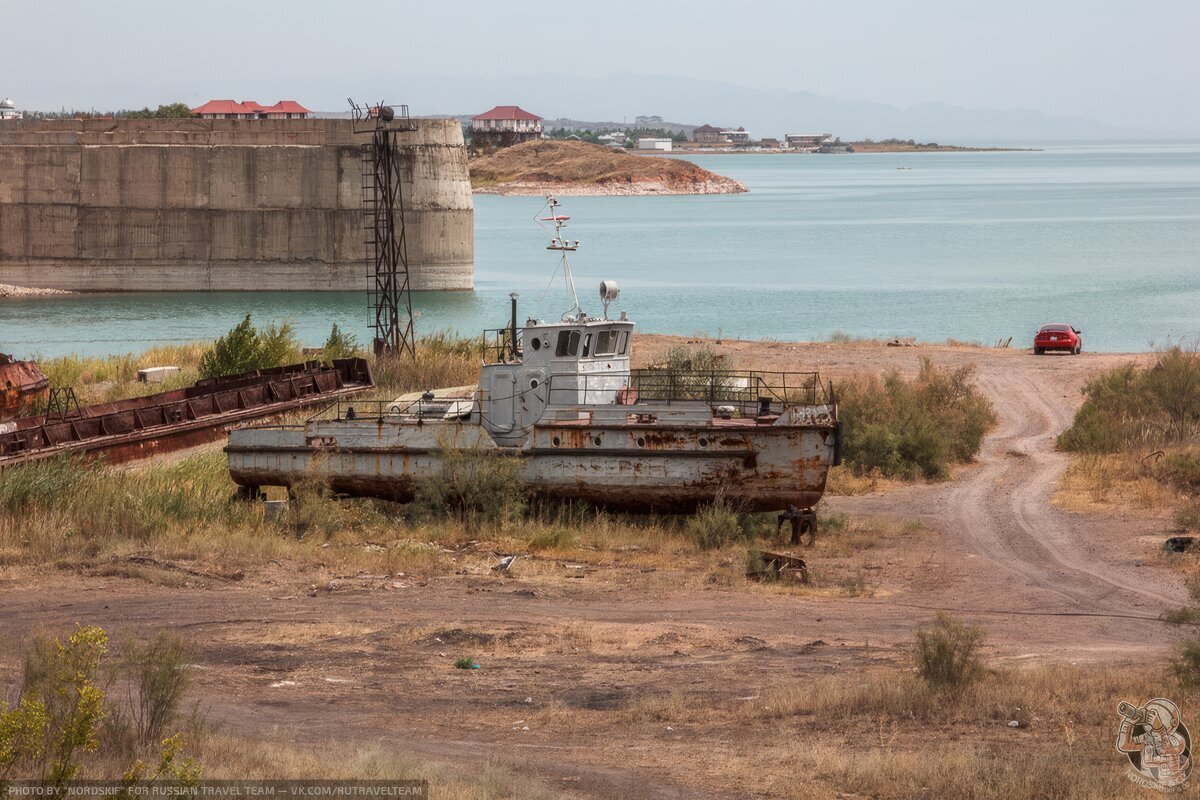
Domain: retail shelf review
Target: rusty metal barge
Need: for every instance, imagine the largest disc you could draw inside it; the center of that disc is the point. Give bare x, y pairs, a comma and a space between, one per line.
561, 396
145, 426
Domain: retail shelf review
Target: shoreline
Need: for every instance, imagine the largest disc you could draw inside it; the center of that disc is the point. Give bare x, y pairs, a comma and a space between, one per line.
864, 150
632, 189
658, 339
11, 290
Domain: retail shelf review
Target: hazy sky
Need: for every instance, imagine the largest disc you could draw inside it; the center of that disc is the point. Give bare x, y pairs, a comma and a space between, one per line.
1129, 63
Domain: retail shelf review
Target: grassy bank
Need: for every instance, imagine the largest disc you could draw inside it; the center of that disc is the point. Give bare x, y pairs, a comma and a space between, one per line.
177, 523
1136, 440
442, 360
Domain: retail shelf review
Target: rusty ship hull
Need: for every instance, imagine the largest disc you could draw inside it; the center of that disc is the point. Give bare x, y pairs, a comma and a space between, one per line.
757, 464
142, 427
22, 387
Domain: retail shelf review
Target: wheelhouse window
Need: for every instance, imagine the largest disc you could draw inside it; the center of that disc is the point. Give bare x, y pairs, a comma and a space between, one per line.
624, 342
568, 344
606, 343
587, 345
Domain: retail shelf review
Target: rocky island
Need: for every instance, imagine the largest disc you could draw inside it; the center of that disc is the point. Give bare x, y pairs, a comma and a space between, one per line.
579, 168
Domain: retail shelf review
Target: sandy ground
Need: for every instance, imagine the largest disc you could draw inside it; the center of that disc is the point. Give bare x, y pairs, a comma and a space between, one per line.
373, 665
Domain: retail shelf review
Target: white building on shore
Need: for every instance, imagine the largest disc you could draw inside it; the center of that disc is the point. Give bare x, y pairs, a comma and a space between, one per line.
8, 109
654, 144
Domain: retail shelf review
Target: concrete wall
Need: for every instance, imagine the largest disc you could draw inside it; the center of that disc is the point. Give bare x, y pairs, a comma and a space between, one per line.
160, 205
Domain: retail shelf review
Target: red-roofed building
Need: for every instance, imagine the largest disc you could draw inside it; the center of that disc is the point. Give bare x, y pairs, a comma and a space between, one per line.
504, 126
249, 109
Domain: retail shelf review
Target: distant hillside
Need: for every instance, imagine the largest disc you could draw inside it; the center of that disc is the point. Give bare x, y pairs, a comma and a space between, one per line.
763, 112
575, 168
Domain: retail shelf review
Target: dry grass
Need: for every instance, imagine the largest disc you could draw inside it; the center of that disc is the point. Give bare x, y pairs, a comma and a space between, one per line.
104, 379
1099, 483
845, 482
879, 733
177, 523
234, 757
175, 519
442, 360
884, 734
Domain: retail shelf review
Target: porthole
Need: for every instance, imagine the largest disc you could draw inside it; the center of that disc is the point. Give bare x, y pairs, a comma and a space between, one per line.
641, 441
536, 343
703, 442
596, 441
534, 382
556, 441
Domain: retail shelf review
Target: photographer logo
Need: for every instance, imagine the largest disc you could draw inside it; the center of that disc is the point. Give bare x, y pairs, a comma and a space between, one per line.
1156, 742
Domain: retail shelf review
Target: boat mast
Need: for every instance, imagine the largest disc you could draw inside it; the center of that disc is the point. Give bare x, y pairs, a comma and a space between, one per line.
564, 246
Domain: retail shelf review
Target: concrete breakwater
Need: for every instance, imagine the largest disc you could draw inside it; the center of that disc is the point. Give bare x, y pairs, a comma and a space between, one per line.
196, 205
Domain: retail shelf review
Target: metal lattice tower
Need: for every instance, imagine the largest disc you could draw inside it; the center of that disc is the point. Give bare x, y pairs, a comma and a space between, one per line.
383, 227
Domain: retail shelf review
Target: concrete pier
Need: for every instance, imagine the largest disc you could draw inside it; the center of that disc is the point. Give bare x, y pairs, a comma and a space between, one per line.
192, 204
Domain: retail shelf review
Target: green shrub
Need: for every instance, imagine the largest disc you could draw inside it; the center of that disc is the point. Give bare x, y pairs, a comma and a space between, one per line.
63, 712
695, 358
1182, 470
474, 485
715, 525
245, 349
553, 538
755, 565
1187, 516
946, 653
913, 428
313, 509
340, 344
277, 345
1185, 664
690, 372
1135, 407
61, 679
158, 670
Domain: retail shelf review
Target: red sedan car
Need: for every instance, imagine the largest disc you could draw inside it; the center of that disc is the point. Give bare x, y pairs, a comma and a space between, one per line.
1058, 336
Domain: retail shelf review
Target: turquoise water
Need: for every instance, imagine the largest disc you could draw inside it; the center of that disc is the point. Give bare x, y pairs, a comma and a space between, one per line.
974, 246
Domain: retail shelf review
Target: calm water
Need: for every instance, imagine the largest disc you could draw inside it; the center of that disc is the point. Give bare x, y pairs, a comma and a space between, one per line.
966, 245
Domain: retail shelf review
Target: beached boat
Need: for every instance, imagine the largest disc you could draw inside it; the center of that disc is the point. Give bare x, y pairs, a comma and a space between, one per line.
22, 385
562, 397
145, 426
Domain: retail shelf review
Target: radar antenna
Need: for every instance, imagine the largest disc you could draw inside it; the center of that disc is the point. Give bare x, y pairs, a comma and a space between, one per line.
564, 246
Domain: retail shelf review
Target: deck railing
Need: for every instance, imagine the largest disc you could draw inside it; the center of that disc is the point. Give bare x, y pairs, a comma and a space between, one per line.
499, 346
749, 392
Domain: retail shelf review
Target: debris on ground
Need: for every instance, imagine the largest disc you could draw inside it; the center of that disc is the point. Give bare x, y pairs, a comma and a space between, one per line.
764, 566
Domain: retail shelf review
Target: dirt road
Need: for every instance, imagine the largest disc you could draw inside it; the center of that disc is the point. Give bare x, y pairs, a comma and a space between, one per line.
372, 665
